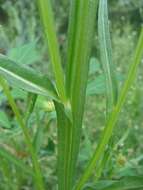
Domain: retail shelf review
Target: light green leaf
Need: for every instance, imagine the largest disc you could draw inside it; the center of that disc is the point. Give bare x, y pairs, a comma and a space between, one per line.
96, 86
94, 66
25, 78
26, 54
18, 93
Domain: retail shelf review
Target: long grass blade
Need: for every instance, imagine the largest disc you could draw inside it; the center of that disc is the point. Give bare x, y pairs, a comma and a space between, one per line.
107, 133
108, 67
47, 18
106, 56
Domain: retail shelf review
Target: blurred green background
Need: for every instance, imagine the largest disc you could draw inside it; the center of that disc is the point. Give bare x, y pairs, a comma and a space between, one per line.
21, 38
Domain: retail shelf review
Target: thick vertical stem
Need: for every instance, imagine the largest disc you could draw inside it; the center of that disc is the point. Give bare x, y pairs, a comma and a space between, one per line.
81, 29
64, 143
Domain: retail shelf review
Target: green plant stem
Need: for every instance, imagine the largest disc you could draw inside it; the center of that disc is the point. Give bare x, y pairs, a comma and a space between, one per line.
64, 139
38, 175
47, 18
79, 47
107, 133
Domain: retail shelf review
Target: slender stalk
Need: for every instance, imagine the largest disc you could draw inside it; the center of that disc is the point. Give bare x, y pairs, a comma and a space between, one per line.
79, 71
47, 18
107, 133
38, 175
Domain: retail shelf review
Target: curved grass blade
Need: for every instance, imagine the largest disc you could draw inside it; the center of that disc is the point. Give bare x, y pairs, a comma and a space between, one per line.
26, 78
18, 163
107, 133
47, 18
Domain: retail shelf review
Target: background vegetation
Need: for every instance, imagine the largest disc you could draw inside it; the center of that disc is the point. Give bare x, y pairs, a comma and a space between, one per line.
21, 34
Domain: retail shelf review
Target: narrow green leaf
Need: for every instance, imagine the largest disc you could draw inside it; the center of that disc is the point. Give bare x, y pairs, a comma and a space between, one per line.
107, 133
47, 17
106, 55
108, 67
26, 78
14, 160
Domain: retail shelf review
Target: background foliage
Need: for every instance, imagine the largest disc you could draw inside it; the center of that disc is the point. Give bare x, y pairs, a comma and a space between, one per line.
21, 38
